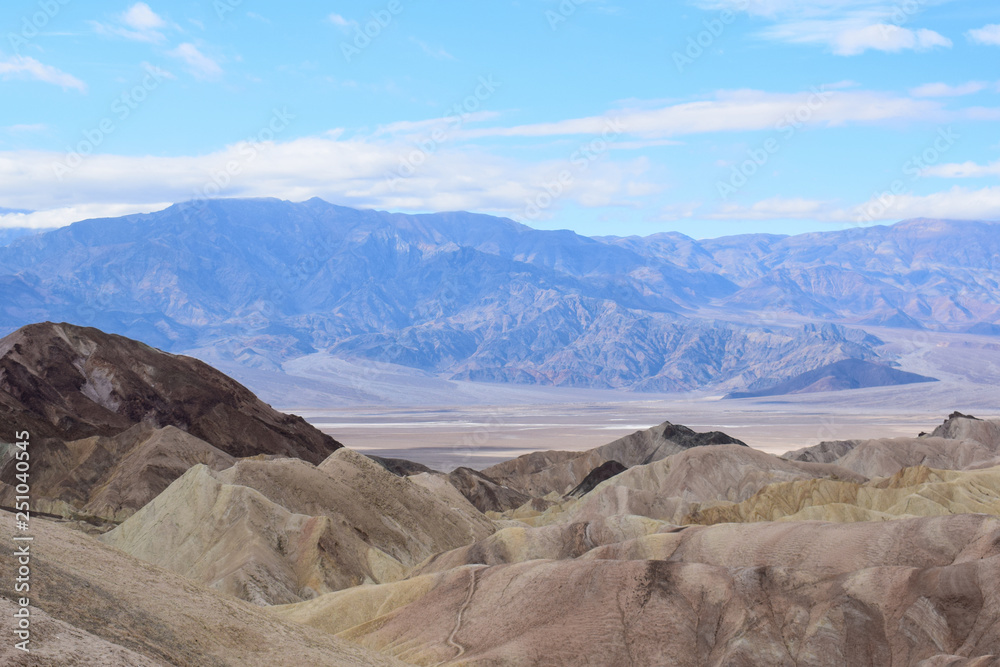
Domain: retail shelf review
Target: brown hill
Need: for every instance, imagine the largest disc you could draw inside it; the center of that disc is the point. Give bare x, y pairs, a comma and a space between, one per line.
68, 382
113, 421
485, 493
110, 477
961, 442
670, 488
540, 473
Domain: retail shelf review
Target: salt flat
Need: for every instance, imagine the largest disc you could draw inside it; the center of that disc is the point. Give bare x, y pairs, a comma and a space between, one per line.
479, 436
401, 412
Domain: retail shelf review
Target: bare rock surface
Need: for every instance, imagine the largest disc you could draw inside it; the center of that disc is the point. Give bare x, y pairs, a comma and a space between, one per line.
484, 492
70, 382
113, 421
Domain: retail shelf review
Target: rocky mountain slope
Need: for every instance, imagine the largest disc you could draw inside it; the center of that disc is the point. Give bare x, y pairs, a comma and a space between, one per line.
69, 382
465, 296
113, 421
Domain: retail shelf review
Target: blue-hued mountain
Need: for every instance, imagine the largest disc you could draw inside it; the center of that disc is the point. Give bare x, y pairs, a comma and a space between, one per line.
844, 374
476, 297
9, 234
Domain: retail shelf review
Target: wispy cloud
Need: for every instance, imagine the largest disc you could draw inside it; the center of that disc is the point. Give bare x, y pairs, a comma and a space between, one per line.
60, 217
741, 110
25, 128
138, 23
257, 17
956, 203
200, 65
25, 67
945, 90
846, 27
989, 35
343, 23
964, 170
434, 52
357, 171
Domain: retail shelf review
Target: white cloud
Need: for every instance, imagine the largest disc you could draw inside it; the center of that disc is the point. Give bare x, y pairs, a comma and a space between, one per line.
775, 208
139, 23
25, 67
739, 110
356, 172
198, 63
957, 203
25, 128
392, 167
61, 217
963, 170
851, 37
886, 37
945, 90
847, 27
140, 17
158, 72
344, 24
989, 35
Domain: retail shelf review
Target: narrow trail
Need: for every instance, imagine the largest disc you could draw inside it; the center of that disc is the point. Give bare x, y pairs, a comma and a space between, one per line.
461, 612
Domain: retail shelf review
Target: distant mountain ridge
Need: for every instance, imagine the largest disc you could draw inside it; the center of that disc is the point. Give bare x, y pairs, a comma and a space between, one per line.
474, 297
846, 374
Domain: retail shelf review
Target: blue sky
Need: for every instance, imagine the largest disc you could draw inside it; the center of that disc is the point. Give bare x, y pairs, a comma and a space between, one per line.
708, 117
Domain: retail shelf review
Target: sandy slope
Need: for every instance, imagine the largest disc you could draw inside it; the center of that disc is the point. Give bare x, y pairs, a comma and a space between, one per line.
851, 598
103, 607
279, 531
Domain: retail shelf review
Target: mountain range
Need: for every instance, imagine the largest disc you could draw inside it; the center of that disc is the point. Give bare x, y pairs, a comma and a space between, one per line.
261, 282
665, 547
